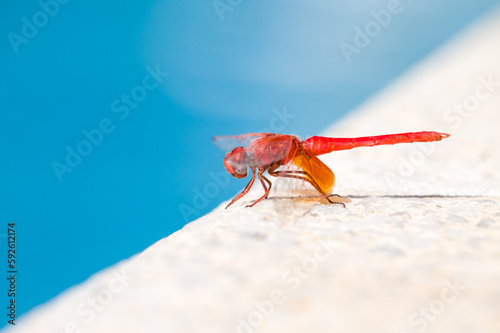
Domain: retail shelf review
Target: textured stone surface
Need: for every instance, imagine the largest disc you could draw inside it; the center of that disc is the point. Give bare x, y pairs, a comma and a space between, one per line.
417, 249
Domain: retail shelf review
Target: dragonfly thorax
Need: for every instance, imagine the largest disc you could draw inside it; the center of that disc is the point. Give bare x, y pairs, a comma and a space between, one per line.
236, 162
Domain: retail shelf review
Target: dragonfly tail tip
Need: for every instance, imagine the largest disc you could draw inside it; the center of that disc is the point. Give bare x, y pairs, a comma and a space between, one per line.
443, 135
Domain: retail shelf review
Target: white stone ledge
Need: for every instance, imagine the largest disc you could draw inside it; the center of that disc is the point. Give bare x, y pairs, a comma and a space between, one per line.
417, 249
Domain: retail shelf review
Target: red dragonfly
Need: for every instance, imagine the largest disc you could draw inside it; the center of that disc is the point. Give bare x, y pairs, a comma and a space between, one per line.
262, 152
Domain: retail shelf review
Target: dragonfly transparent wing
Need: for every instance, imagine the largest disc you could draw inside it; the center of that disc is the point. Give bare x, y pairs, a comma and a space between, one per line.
229, 142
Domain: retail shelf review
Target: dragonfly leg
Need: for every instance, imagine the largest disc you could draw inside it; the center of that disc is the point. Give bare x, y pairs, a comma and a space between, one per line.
268, 182
302, 175
245, 190
266, 189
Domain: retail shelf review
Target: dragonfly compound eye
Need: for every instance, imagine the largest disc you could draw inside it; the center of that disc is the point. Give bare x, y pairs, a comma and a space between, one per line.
236, 163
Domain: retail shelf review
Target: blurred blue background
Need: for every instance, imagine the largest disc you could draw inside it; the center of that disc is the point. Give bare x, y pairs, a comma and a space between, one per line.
90, 78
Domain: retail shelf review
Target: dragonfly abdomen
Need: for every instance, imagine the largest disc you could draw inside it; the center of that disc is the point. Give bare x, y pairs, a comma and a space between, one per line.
320, 145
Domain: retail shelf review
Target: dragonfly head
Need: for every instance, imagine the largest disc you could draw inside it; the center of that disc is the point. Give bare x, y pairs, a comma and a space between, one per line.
236, 162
